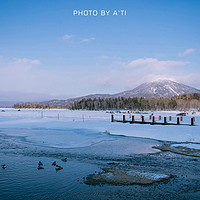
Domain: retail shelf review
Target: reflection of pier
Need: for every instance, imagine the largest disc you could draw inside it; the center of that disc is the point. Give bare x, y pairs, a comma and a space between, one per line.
153, 122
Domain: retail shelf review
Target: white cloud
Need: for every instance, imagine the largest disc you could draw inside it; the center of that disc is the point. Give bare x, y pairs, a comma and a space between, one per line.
23, 75
67, 37
187, 52
17, 74
128, 75
21, 61
104, 57
155, 63
86, 40
22, 79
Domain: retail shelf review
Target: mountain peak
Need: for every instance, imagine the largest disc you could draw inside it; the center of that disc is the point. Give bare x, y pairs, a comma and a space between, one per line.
159, 88
162, 81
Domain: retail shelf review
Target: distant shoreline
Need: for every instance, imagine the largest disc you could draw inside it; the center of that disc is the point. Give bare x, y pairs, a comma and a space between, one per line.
181, 102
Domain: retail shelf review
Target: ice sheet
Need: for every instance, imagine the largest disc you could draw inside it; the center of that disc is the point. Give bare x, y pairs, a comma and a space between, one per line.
92, 123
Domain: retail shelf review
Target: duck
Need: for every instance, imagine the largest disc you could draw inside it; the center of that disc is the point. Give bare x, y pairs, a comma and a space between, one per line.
39, 167
40, 163
54, 163
58, 167
64, 159
3, 166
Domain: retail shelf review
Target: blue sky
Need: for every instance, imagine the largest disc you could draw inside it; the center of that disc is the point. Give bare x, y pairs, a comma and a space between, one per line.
46, 52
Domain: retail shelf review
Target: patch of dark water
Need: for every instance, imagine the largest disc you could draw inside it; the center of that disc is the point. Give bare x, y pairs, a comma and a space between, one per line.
22, 180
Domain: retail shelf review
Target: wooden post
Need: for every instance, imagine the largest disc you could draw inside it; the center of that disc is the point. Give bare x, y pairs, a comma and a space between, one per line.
133, 119
192, 121
124, 118
165, 120
178, 122
112, 118
153, 120
142, 118
170, 118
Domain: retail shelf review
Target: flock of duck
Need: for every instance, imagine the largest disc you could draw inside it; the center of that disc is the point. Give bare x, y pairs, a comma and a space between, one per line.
40, 165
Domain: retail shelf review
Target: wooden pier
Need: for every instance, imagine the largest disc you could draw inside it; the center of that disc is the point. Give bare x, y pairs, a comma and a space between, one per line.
153, 122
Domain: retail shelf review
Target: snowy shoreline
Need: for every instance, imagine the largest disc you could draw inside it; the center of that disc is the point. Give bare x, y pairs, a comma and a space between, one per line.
67, 123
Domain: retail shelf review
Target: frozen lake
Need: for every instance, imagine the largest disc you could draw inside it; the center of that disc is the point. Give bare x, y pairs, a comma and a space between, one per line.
64, 128
91, 142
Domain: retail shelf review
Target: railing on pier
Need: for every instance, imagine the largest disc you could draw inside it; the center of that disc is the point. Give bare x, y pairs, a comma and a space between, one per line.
153, 122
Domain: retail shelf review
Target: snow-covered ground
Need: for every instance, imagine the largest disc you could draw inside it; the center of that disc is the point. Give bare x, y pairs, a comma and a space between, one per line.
188, 145
66, 128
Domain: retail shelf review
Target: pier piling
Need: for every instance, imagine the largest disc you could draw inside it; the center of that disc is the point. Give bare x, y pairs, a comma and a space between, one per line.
178, 121
133, 119
112, 118
153, 120
192, 121
142, 119
124, 118
165, 120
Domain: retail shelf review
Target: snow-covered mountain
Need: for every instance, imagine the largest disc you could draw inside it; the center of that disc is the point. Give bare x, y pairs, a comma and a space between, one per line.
161, 88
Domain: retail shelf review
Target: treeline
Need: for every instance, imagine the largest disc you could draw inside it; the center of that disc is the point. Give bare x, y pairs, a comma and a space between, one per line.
39, 106
181, 102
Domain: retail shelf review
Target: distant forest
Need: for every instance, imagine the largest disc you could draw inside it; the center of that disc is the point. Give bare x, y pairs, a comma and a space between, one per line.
180, 102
